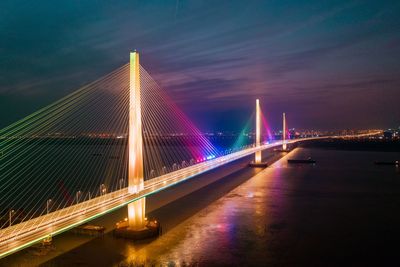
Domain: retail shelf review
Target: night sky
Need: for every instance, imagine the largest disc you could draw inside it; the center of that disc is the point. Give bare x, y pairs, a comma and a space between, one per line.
327, 64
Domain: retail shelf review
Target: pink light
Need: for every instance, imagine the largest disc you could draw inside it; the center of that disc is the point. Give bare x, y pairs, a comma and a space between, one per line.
266, 126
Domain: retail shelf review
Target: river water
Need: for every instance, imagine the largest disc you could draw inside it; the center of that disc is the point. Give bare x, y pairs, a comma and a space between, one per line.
343, 210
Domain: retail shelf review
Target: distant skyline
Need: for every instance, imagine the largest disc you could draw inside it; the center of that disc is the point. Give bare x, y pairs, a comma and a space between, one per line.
327, 64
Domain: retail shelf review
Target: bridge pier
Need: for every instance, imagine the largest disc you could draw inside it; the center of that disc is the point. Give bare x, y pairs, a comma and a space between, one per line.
136, 216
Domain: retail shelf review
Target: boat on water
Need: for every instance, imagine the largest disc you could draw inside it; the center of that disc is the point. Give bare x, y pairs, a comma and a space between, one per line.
396, 162
89, 229
306, 161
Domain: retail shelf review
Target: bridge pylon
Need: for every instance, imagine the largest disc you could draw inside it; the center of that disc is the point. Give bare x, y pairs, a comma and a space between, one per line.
136, 209
257, 155
284, 145
257, 158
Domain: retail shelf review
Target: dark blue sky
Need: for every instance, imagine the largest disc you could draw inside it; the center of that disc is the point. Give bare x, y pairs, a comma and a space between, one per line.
327, 64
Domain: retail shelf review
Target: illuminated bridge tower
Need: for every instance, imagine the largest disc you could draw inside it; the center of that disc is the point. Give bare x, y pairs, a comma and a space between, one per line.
136, 209
258, 157
258, 132
284, 146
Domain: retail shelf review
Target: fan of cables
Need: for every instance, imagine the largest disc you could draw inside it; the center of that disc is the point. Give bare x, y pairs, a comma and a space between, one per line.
76, 148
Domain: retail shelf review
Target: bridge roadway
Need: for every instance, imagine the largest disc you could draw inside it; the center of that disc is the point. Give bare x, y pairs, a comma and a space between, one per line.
22, 235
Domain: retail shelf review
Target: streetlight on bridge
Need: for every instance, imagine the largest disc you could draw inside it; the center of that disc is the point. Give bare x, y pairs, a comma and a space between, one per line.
10, 214
78, 194
48, 202
103, 189
121, 181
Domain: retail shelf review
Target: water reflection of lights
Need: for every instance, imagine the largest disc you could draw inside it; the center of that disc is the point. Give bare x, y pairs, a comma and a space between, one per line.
218, 226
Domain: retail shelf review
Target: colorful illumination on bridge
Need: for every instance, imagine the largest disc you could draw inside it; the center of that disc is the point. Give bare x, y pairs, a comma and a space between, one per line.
49, 125
266, 127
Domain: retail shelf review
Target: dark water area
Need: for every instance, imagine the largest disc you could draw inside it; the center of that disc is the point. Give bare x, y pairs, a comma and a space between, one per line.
341, 211
387, 145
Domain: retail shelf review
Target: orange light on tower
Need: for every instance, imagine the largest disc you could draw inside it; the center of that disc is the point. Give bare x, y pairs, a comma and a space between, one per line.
136, 209
257, 163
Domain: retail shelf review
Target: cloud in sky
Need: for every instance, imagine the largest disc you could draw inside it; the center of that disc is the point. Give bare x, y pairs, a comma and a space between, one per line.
214, 57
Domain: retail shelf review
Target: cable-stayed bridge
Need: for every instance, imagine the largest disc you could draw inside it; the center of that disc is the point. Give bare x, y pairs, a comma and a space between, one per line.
107, 145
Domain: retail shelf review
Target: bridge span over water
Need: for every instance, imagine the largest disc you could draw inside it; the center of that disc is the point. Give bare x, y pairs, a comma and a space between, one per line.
21, 143
23, 235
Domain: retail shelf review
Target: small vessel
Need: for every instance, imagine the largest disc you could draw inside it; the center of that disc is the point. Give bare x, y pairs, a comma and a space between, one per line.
89, 229
396, 162
307, 161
